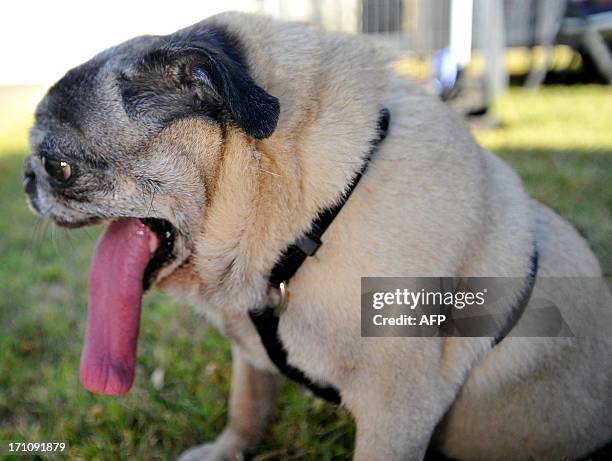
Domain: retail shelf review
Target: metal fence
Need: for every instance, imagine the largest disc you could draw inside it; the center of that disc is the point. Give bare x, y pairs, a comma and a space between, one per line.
461, 28
422, 26
414, 26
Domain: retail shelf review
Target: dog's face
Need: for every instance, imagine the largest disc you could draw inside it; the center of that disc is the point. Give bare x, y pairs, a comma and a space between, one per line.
133, 137
99, 149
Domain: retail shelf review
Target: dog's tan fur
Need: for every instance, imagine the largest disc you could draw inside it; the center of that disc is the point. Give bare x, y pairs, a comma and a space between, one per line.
432, 203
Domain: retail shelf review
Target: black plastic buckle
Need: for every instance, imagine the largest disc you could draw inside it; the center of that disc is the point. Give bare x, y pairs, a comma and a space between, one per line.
308, 245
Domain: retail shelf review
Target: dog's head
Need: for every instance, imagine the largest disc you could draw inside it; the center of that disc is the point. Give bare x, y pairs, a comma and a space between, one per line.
98, 145
114, 141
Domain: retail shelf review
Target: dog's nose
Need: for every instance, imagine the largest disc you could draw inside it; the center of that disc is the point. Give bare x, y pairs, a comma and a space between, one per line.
29, 179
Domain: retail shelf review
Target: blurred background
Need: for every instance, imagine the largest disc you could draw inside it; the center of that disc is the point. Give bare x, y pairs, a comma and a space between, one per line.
531, 77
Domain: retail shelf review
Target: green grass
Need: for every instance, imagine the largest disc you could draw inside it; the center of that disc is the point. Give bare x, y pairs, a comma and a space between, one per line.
558, 139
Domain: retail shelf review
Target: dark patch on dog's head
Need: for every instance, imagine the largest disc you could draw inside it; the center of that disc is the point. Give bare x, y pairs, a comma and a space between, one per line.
64, 101
198, 73
115, 102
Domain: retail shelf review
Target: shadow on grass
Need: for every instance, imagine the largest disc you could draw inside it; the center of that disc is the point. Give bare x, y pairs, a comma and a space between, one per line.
576, 184
43, 286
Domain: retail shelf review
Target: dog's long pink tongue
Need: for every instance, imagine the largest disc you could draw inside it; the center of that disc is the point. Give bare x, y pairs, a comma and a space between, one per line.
115, 294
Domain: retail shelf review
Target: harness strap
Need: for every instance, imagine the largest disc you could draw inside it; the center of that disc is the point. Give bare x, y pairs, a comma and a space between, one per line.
266, 323
519, 308
266, 320
293, 257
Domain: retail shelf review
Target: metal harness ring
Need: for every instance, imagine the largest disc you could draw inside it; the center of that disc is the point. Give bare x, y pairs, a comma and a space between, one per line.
284, 298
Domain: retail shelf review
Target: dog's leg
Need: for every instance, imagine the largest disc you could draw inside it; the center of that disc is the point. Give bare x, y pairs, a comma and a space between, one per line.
252, 399
396, 419
394, 435
388, 438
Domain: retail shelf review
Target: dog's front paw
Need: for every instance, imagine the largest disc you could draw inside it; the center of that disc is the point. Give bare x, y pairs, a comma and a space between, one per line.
205, 452
228, 447
199, 453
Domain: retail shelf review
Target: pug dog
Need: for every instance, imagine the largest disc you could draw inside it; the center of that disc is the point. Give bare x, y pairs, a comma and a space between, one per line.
211, 150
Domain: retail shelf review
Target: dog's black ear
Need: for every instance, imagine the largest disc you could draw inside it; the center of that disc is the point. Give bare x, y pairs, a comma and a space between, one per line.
195, 76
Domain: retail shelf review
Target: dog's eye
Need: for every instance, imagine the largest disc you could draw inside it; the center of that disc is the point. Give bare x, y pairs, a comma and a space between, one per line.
58, 169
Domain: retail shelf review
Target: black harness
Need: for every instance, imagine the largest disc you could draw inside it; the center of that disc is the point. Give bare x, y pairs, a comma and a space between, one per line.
519, 308
266, 320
